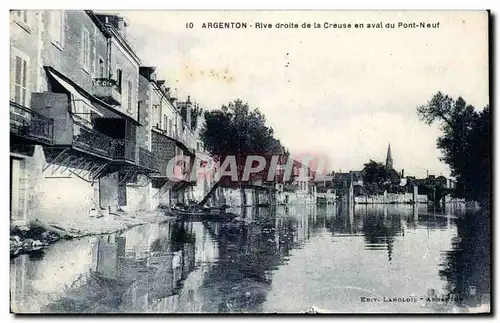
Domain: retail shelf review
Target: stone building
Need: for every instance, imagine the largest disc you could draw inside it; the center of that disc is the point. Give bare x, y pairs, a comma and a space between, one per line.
171, 137
74, 121
92, 130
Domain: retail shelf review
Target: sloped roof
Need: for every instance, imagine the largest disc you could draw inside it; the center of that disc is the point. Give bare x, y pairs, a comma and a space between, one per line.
357, 176
323, 178
341, 176
393, 175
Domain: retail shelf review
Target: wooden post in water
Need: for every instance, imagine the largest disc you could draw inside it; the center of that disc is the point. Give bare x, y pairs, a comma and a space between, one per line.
212, 190
351, 192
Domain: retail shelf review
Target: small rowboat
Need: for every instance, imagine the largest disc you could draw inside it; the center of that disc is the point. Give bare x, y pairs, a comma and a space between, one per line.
203, 216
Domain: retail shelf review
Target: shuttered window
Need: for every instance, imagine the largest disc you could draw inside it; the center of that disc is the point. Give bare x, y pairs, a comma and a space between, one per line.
129, 96
86, 49
19, 78
57, 27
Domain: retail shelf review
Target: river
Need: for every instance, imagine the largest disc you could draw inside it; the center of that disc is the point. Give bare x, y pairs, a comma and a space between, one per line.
362, 259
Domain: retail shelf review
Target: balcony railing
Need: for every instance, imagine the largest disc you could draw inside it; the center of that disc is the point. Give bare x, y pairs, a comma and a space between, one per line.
107, 82
107, 90
92, 141
29, 124
147, 159
124, 149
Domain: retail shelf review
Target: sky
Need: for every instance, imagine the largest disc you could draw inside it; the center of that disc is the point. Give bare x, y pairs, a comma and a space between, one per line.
340, 93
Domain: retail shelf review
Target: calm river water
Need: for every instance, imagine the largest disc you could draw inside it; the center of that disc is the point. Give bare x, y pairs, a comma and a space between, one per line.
284, 259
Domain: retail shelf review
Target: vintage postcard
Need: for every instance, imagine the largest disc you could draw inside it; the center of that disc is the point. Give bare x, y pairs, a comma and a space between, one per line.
249, 162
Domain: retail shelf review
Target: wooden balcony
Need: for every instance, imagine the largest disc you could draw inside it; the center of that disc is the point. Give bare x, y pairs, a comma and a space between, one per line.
107, 90
148, 160
30, 125
180, 140
91, 141
124, 150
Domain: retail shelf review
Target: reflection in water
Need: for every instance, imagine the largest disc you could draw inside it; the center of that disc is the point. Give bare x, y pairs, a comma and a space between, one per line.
466, 266
380, 230
281, 259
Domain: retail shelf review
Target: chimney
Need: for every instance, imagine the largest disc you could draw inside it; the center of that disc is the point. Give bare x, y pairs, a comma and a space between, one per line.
122, 27
118, 22
403, 173
161, 85
188, 99
148, 72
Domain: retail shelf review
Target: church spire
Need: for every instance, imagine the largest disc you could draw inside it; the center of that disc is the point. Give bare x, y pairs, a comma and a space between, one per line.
388, 160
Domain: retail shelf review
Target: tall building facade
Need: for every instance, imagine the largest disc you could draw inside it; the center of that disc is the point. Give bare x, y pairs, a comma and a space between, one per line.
172, 140
92, 130
79, 144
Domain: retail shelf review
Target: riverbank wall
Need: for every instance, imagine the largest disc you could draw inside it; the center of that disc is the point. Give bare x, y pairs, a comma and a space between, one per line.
254, 197
389, 198
406, 198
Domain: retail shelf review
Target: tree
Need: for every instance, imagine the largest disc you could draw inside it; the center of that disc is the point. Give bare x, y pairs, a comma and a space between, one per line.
375, 177
478, 159
465, 143
237, 130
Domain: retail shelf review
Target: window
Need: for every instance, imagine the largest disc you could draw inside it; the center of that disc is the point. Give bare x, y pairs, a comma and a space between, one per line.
156, 115
129, 96
93, 60
85, 50
19, 78
170, 127
165, 118
119, 78
22, 15
100, 68
57, 27
21, 18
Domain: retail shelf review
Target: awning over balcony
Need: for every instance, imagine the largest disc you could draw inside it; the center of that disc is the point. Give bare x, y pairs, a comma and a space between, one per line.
80, 94
75, 94
185, 149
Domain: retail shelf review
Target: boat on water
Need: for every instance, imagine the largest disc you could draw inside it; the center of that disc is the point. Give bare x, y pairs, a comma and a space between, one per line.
187, 215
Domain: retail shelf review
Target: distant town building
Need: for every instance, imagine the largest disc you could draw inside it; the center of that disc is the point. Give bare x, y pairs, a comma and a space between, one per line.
323, 183
394, 176
388, 159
